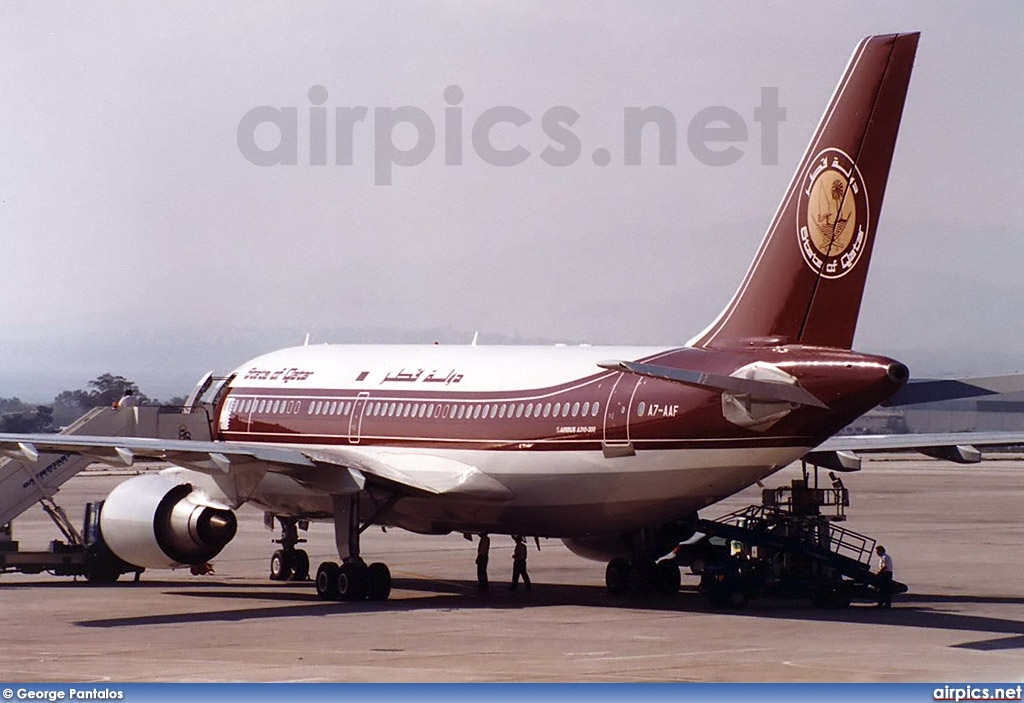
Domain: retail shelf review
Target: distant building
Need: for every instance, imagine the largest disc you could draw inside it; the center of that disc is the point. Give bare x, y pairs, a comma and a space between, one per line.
994, 413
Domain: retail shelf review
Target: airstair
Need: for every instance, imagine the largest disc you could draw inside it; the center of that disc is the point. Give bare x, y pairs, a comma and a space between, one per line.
788, 547
28, 476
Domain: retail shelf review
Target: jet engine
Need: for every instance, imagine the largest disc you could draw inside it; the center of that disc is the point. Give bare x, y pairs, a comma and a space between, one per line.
654, 542
158, 521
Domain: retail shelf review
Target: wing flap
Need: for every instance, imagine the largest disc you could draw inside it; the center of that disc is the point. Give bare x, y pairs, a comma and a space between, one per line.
420, 472
414, 472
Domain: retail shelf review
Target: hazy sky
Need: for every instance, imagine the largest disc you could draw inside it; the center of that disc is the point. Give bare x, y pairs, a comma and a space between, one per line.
139, 239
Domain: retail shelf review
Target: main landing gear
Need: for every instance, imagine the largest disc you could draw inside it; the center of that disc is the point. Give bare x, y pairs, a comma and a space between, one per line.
642, 577
643, 574
288, 563
353, 579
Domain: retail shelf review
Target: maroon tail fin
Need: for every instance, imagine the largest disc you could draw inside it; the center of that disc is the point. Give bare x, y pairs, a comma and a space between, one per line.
807, 280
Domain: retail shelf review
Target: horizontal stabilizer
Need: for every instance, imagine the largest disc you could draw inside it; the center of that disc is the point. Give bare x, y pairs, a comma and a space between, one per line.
757, 390
834, 460
934, 390
961, 447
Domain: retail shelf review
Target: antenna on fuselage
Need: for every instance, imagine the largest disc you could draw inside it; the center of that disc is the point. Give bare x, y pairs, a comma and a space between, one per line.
306, 342
475, 336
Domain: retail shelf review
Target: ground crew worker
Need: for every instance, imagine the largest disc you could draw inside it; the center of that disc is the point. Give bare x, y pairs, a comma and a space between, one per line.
519, 563
885, 572
128, 400
482, 555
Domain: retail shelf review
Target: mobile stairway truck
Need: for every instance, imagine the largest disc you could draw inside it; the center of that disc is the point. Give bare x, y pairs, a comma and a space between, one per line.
786, 547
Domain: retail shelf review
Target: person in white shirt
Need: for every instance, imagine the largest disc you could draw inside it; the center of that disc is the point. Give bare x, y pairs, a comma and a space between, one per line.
128, 400
885, 571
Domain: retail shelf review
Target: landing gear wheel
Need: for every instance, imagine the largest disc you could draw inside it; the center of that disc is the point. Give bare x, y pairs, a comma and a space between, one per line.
281, 564
378, 581
840, 596
667, 579
638, 581
327, 581
738, 599
300, 565
351, 581
102, 572
616, 576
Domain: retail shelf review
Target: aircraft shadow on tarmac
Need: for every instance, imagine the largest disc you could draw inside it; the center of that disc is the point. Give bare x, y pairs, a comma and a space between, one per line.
914, 610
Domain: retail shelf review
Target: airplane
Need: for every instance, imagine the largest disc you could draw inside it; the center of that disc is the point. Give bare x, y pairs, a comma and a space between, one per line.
613, 450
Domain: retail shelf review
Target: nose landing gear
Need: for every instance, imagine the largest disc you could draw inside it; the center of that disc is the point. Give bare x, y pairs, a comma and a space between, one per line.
288, 563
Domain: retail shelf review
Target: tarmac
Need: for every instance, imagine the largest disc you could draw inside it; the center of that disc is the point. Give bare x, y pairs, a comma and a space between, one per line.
955, 534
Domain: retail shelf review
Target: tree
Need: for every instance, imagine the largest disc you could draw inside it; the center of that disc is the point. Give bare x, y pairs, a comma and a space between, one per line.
104, 391
108, 389
27, 422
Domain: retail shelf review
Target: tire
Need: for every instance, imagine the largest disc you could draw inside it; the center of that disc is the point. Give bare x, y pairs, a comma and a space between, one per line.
101, 573
378, 582
820, 596
351, 581
840, 596
281, 565
667, 579
327, 581
640, 580
738, 599
616, 577
300, 566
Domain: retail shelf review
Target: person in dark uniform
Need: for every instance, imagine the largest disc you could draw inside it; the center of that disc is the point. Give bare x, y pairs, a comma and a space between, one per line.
519, 563
482, 554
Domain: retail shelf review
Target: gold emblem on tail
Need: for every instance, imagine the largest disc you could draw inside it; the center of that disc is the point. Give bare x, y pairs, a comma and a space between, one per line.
833, 219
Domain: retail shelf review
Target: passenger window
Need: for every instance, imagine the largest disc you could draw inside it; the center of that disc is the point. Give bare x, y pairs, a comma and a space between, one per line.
519, 410
547, 409
576, 408
476, 412
597, 407
586, 408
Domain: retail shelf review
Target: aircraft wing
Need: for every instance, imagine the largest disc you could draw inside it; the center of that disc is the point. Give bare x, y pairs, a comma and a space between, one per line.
418, 473
960, 447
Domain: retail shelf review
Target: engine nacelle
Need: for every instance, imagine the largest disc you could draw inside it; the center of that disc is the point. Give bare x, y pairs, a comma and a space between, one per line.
655, 541
157, 521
